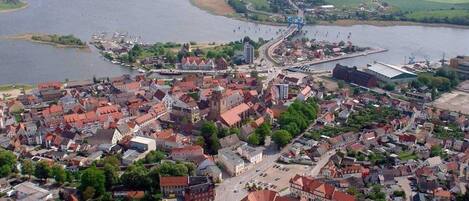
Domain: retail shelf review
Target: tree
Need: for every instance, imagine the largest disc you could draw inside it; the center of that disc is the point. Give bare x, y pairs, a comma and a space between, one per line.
262, 132
7, 162
340, 84
253, 139
281, 137
88, 193
154, 156
173, 169
390, 87
436, 151
59, 174
111, 175
27, 168
43, 170
92, 182
200, 141
210, 133
136, 176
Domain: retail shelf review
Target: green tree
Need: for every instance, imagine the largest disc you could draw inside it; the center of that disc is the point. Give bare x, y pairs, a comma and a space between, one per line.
92, 182
136, 176
390, 87
7, 163
340, 84
262, 132
43, 170
253, 139
111, 175
88, 193
436, 150
27, 168
59, 174
154, 157
173, 169
281, 137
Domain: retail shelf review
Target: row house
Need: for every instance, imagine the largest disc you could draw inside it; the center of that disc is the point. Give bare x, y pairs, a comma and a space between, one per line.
308, 188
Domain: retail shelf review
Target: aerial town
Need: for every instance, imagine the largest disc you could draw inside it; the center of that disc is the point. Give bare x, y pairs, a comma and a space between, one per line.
246, 120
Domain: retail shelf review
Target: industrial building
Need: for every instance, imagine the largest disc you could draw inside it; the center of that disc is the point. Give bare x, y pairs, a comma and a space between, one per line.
461, 65
389, 73
352, 75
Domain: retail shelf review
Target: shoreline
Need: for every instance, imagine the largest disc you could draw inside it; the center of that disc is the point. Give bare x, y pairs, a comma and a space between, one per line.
28, 37
26, 5
343, 23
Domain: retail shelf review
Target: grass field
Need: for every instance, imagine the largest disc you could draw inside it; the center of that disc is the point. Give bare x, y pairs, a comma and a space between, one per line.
450, 1
407, 155
218, 7
408, 5
439, 14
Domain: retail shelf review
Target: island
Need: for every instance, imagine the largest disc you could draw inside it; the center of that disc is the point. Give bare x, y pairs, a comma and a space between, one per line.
61, 41
11, 5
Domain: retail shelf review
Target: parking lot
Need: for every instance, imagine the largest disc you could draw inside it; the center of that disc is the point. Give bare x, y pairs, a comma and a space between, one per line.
277, 177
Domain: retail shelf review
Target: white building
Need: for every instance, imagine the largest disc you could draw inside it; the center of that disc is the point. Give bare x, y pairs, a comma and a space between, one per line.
248, 53
142, 144
390, 73
282, 91
253, 155
28, 191
233, 164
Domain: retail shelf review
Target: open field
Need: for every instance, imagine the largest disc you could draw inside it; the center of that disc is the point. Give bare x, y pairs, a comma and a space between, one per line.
9, 91
408, 5
439, 14
450, 1
259, 4
454, 101
217, 7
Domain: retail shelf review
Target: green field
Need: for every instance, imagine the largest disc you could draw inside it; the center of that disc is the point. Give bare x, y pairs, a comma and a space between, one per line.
407, 155
450, 1
439, 14
407, 5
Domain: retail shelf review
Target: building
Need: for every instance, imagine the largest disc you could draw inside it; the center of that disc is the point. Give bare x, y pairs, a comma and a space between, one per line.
222, 100
308, 188
248, 53
352, 75
187, 152
461, 65
28, 191
196, 63
185, 111
191, 188
233, 164
105, 136
282, 91
253, 155
142, 144
264, 195
389, 73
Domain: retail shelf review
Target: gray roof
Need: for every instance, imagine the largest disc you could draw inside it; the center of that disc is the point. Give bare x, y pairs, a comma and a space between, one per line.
388, 70
230, 156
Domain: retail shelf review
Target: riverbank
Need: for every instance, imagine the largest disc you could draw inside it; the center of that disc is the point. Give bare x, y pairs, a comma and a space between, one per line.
7, 8
8, 91
31, 38
219, 6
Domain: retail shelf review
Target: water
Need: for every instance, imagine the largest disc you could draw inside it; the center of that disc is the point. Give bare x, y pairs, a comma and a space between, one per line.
178, 20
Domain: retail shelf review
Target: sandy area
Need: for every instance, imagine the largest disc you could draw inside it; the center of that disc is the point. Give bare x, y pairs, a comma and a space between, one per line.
218, 7
454, 101
12, 94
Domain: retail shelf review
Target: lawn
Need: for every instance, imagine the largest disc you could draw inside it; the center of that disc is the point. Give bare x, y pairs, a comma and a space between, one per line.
8, 87
450, 1
407, 155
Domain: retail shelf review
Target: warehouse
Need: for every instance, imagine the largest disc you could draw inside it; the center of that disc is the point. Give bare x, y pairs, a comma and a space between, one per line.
390, 73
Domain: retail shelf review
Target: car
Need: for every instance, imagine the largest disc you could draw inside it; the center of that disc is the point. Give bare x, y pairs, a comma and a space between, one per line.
276, 179
235, 191
258, 170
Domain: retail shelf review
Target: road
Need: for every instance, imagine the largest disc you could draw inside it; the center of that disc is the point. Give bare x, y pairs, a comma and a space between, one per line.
404, 183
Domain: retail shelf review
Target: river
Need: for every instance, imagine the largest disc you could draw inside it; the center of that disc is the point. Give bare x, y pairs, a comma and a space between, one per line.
179, 21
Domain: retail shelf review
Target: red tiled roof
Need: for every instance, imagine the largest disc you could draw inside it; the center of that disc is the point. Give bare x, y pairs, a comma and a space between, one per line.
231, 117
341, 196
174, 181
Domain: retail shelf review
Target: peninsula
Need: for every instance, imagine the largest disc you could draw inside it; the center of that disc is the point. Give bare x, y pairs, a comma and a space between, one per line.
11, 5
65, 41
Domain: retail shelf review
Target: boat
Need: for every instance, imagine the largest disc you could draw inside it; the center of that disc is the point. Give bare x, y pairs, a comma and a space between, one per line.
170, 72
141, 70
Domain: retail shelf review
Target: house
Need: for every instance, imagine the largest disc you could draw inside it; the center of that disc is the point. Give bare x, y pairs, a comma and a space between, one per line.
208, 168
196, 63
142, 144
28, 191
253, 155
233, 164
308, 188
105, 136
305, 93
193, 188
235, 116
230, 141
186, 152
264, 195
352, 75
